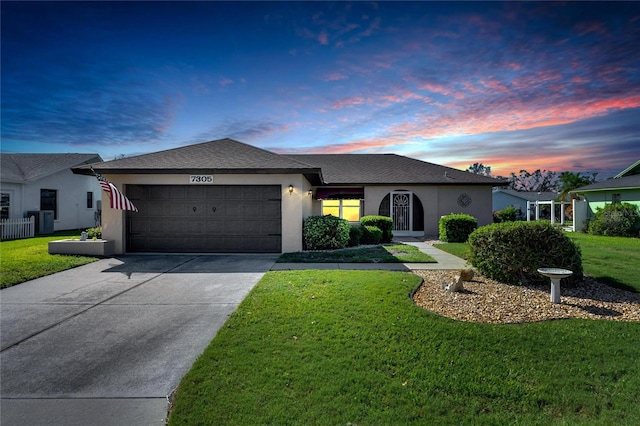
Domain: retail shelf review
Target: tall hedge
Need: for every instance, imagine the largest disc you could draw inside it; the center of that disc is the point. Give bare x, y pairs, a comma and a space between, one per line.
383, 222
620, 220
512, 252
456, 227
325, 233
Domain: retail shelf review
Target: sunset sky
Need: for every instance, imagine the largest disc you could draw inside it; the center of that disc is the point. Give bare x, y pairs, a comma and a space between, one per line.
513, 85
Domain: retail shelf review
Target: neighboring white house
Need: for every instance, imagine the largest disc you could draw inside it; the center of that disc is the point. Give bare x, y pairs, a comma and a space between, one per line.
503, 198
45, 182
227, 196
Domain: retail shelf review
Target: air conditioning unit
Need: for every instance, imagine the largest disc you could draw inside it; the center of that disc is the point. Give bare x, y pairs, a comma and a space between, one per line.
44, 221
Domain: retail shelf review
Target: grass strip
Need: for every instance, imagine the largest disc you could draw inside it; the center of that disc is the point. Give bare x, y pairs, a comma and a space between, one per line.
350, 347
27, 259
388, 253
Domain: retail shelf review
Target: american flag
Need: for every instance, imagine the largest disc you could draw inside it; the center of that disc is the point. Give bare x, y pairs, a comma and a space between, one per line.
118, 200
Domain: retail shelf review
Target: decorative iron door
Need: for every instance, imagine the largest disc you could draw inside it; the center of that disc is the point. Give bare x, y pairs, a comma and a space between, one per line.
401, 211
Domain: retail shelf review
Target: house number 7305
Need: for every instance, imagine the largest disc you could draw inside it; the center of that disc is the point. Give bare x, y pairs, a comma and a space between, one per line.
201, 179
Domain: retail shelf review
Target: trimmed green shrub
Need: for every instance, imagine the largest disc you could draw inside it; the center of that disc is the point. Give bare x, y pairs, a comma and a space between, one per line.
371, 235
384, 223
94, 233
456, 227
512, 252
355, 235
508, 214
619, 220
325, 233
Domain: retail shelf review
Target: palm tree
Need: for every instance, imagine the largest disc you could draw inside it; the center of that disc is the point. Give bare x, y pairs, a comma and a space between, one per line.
570, 181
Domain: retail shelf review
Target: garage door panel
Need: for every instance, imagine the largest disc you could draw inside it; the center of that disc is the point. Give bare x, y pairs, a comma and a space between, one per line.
137, 192
185, 218
195, 192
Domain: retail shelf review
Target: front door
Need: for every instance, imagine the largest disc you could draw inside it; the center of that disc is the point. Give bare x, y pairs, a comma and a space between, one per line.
402, 212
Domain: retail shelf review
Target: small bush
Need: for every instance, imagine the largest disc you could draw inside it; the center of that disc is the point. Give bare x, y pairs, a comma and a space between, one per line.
512, 252
620, 220
508, 214
325, 233
94, 233
384, 223
355, 235
456, 227
371, 235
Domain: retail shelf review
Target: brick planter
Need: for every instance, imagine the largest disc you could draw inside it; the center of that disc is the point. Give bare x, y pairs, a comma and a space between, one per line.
86, 248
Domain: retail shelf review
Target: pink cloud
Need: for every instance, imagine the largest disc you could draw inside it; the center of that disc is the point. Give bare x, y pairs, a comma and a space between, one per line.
225, 82
435, 88
353, 146
348, 102
591, 27
323, 38
495, 85
335, 76
516, 116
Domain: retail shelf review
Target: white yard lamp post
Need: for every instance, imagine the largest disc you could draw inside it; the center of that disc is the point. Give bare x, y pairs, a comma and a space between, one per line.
555, 275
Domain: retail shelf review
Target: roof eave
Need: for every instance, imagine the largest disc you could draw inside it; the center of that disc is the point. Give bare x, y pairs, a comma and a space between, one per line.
86, 170
627, 170
609, 188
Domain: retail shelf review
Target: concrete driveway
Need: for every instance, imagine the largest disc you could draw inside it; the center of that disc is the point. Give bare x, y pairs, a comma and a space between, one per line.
106, 343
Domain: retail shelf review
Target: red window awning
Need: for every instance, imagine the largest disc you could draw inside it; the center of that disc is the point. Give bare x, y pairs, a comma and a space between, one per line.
340, 193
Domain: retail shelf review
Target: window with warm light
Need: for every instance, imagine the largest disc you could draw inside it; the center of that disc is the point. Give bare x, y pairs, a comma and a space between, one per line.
345, 209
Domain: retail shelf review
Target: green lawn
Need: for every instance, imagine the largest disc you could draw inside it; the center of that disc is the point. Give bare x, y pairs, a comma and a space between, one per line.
456, 249
351, 348
611, 260
388, 253
23, 260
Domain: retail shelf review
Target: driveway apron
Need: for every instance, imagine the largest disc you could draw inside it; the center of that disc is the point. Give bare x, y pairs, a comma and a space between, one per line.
107, 343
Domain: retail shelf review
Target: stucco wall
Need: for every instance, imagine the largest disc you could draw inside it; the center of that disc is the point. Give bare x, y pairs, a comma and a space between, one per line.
72, 198
437, 201
295, 206
480, 206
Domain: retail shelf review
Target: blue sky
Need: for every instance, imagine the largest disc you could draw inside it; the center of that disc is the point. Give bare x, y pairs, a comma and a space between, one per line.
513, 85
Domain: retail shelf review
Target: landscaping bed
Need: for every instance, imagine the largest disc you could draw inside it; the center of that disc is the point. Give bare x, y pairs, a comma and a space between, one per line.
488, 301
386, 253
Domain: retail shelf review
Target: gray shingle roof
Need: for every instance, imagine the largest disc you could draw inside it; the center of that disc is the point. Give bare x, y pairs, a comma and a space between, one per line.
23, 168
629, 181
344, 169
230, 156
530, 195
224, 155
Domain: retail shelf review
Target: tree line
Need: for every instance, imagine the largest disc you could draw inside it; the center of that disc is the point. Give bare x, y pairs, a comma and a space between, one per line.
540, 180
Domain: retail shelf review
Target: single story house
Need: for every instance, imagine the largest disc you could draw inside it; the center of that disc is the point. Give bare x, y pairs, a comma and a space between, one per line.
622, 188
45, 182
227, 196
503, 198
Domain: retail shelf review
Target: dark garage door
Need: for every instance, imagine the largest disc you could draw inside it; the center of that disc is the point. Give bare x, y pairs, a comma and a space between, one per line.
201, 219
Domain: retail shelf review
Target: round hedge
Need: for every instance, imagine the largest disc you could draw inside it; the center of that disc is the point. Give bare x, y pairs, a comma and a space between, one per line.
512, 252
325, 233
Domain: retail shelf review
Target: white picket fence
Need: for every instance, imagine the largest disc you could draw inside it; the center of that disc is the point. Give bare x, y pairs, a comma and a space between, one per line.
11, 229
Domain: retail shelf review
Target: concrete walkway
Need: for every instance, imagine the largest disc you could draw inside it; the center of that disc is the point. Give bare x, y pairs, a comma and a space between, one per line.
444, 259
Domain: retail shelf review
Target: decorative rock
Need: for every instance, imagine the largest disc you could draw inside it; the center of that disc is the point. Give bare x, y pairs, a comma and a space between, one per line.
466, 274
455, 285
